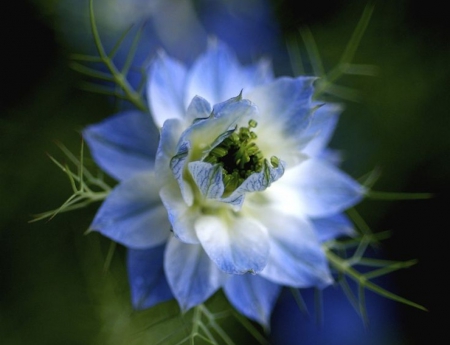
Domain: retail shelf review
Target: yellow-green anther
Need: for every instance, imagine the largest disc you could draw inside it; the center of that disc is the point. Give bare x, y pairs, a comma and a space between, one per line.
219, 151
239, 156
252, 124
274, 161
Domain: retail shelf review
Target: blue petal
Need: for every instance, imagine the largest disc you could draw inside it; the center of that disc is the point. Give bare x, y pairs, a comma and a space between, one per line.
208, 178
333, 227
181, 216
256, 182
225, 117
166, 88
236, 244
321, 128
323, 189
218, 76
170, 135
123, 145
285, 101
296, 258
215, 75
133, 214
257, 74
252, 296
198, 108
191, 275
177, 165
148, 283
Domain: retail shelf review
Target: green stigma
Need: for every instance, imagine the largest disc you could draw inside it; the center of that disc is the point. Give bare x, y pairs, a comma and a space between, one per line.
239, 157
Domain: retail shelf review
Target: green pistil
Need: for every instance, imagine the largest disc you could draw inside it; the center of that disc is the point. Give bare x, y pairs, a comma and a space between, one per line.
239, 157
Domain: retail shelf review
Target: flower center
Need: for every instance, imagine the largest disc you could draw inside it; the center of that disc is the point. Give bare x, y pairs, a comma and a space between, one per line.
239, 156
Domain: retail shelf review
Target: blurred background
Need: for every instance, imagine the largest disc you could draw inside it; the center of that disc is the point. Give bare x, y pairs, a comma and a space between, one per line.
54, 286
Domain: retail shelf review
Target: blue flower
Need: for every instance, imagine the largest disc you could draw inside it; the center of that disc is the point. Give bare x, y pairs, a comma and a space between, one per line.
238, 192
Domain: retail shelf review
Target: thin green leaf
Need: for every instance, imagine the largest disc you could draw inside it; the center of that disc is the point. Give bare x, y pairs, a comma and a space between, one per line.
299, 300
339, 91
388, 269
349, 294
362, 304
371, 178
119, 42
109, 256
353, 44
341, 265
250, 328
295, 57
90, 72
86, 58
360, 69
359, 222
376, 195
313, 52
318, 306
132, 51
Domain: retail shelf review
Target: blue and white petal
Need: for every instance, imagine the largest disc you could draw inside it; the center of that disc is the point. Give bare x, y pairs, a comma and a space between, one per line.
236, 245
321, 128
256, 182
296, 258
286, 109
315, 189
199, 108
191, 275
215, 75
333, 227
208, 178
252, 296
123, 145
166, 89
181, 216
146, 276
256, 75
169, 137
133, 214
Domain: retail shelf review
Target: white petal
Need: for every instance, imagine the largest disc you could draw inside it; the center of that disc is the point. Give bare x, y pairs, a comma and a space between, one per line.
197, 109
181, 216
148, 284
208, 178
316, 189
323, 123
191, 275
296, 258
124, 144
166, 88
236, 244
285, 112
169, 137
333, 227
253, 296
133, 214
215, 76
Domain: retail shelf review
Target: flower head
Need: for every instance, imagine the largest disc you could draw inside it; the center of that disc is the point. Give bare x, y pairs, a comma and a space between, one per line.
237, 194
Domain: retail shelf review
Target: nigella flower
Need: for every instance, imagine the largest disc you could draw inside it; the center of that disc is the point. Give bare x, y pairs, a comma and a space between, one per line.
238, 192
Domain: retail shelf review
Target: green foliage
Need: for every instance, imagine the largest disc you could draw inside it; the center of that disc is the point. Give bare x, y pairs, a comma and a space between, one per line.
326, 84
83, 184
121, 88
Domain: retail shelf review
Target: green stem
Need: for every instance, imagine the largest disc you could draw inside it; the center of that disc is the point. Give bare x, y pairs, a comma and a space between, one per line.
119, 78
341, 265
375, 195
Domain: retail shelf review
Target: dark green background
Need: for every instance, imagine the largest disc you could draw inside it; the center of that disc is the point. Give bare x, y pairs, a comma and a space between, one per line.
52, 289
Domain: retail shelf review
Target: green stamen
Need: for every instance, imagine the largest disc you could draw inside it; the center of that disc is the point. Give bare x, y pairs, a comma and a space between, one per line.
239, 157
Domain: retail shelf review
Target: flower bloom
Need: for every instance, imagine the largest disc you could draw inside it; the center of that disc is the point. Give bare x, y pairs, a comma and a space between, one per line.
237, 194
